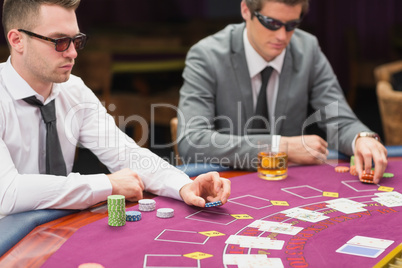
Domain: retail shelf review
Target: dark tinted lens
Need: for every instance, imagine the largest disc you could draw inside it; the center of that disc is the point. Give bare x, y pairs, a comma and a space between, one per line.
80, 41
274, 24
62, 44
269, 23
292, 25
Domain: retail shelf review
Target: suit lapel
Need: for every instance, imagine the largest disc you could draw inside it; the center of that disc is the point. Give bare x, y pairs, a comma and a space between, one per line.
239, 63
284, 90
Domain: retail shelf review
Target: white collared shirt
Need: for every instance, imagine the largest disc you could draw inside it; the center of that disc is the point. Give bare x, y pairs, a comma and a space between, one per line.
256, 64
81, 119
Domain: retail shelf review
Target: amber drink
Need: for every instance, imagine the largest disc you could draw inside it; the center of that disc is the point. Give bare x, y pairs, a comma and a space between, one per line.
272, 165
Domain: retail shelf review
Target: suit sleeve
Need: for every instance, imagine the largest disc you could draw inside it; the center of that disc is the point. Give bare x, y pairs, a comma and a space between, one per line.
326, 97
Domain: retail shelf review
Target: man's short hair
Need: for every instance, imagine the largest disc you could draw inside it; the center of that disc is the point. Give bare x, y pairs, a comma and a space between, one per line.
24, 13
257, 5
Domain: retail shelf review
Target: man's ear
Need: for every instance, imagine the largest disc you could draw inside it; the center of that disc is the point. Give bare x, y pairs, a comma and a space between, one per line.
245, 12
15, 40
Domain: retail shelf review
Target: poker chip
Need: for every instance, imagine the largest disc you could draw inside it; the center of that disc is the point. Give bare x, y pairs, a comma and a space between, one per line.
116, 206
147, 205
213, 204
165, 213
352, 160
367, 177
388, 175
133, 215
341, 169
353, 171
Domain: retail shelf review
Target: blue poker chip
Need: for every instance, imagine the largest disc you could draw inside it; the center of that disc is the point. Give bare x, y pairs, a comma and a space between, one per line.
133, 216
213, 204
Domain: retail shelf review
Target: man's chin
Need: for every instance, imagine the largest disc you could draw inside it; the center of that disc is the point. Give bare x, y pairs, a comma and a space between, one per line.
62, 78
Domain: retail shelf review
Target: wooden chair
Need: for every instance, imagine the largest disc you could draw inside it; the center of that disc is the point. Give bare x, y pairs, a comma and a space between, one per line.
384, 71
131, 110
390, 102
360, 68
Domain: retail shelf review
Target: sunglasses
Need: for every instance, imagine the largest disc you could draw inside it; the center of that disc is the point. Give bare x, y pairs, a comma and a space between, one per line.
274, 25
63, 43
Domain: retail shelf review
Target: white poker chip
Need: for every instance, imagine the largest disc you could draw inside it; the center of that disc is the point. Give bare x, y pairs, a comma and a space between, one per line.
165, 213
147, 205
147, 202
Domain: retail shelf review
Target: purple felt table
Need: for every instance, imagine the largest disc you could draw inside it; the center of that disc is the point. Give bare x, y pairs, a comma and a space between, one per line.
155, 242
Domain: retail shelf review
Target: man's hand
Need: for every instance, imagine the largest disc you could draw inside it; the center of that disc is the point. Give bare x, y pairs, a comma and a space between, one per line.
367, 150
306, 150
207, 187
126, 182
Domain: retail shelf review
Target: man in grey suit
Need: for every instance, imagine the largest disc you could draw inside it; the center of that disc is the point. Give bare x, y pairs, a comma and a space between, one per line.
220, 95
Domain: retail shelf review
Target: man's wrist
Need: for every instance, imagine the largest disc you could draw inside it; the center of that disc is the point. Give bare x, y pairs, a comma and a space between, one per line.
368, 134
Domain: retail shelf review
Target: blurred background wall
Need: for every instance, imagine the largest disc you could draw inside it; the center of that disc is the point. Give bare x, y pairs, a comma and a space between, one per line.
146, 42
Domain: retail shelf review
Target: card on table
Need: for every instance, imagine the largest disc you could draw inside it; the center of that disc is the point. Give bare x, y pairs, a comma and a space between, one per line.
360, 251
305, 214
275, 227
262, 263
365, 246
370, 242
346, 206
389, 199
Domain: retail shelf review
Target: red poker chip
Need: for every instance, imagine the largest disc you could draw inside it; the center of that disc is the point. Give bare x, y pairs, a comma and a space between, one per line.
341, 169
353, 171
367, 177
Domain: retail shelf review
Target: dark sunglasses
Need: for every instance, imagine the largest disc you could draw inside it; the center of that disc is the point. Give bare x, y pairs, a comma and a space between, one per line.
63, 43
273, 24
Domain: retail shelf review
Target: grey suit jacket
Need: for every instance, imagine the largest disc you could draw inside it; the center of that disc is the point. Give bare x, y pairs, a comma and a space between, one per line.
216, 100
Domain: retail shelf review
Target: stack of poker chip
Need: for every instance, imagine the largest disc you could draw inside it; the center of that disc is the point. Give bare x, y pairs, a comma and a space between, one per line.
165, 213
116, 207
213, 204
147, 205
133, 216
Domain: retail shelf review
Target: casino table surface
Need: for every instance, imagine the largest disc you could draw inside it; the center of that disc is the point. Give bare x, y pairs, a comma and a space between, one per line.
197, 237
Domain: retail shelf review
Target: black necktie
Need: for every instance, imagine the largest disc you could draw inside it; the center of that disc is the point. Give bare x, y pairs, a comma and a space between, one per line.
259, 125
55, 164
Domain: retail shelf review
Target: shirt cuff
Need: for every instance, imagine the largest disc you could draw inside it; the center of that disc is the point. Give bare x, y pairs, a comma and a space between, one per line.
176, 184
276, 140
101, 187
354, 144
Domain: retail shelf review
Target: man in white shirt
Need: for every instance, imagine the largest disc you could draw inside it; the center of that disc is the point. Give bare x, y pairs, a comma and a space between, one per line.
43, 38
222, 81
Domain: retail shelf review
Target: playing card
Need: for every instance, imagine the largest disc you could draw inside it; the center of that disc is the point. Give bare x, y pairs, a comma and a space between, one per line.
305, 214
261, 263
370, 242
263, 243
234, 259
347, 208
360, 251
388, 201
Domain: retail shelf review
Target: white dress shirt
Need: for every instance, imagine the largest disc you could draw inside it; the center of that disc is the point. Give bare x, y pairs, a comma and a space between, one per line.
81, 119
256, 64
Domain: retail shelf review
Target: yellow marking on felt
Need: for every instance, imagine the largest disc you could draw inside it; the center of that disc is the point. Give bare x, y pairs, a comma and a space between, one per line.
330, 194
385, 189
212, 233
279, 203
198, 255
241, 216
